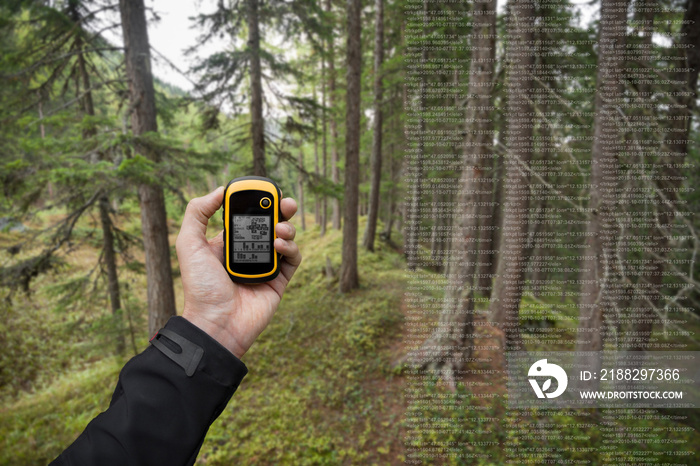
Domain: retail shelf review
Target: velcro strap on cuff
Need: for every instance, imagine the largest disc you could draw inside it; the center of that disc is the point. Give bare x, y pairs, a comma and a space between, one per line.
187, 357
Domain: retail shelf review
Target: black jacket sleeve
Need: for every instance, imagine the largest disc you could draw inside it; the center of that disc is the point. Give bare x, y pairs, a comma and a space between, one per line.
158, 414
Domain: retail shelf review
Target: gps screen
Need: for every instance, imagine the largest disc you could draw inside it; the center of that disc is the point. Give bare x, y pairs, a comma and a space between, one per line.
251, 238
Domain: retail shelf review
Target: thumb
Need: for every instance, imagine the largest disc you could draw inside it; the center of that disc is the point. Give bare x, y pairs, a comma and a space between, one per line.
199, 211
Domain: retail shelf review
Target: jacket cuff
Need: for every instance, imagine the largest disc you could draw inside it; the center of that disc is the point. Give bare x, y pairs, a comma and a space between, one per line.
218, 362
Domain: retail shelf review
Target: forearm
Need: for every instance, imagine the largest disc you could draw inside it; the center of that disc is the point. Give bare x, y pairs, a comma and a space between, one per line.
159, 414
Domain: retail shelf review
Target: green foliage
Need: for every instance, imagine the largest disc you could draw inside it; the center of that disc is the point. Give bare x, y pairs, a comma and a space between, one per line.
68, 145
138, 168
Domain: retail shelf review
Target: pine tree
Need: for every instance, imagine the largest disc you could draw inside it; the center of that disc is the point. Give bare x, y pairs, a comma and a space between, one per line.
599, 270
509, 283
61, 59
223, 75
377, 127
451, 337
348, 270
154, 224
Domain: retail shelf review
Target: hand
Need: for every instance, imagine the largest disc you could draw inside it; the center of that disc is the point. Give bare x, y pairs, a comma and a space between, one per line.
231, 313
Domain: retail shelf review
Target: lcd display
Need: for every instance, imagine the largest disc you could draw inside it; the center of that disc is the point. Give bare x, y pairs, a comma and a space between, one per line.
251, 238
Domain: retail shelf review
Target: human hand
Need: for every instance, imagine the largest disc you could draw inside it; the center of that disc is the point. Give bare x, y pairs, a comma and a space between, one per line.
233, 314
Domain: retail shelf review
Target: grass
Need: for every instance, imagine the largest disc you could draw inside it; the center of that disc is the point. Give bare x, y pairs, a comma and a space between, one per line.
38, 425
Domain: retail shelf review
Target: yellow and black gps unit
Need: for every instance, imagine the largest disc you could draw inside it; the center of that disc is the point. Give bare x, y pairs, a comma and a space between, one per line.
251, 211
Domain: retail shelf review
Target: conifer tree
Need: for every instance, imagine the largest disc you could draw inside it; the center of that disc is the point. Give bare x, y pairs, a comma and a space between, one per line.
230, 79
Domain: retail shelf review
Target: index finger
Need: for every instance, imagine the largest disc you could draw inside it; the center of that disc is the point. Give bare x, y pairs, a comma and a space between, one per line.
289, 207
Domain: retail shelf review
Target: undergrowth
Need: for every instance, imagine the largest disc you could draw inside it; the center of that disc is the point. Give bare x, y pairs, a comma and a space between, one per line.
316, 392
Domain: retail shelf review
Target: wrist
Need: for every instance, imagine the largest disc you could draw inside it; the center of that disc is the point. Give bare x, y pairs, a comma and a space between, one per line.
215, 331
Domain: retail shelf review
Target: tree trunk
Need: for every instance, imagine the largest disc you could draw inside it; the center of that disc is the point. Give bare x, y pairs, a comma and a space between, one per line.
376, 160
487, 233
317, 170
112, 276
436, 240
498, 216
348, 270
599, 267
154, 224
391, 205
498, 188
324, 145
507, 288
415, 166
598, 272
451, 341
641, 307
257, 124
543, 145
675, 142
300, 185
486, 253
393, 172
335, 171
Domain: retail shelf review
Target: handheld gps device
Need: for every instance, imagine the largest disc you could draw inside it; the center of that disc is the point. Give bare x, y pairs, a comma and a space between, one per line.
251, 211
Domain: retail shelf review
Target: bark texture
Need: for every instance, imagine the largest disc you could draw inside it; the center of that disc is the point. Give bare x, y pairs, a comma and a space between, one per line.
110, 259
257, 124
324, 143
348, 270
599, 272
451, 342
300, 187
483, 145
376, 158
509, 282
414, 166
154, 225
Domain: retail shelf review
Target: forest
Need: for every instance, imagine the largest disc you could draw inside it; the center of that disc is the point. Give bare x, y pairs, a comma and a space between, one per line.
474, 178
